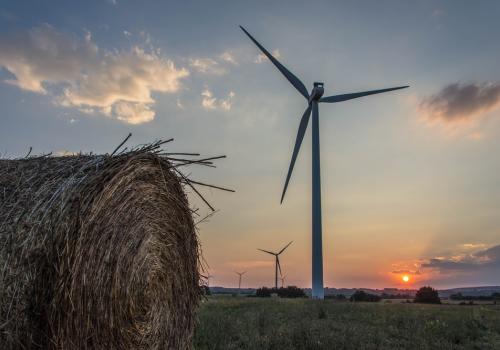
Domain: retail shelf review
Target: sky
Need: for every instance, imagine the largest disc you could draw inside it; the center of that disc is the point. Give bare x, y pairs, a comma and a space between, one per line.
410, 179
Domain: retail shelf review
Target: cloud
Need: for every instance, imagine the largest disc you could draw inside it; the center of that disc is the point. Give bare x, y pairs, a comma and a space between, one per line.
207, 66
405, 271
210, 102
179, 104
228, 57
117, 84
261, 57
461, 103
486, 259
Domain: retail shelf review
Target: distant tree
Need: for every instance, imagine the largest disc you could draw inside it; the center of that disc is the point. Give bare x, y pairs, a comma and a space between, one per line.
263, 292
361, 295
427, 295
338, 297
456, 296
291, 292
395, 296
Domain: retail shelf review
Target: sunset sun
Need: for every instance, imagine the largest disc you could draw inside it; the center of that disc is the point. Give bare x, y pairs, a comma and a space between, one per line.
406, 278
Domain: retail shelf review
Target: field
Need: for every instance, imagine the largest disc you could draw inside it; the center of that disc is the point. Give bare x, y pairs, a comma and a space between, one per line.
252, 323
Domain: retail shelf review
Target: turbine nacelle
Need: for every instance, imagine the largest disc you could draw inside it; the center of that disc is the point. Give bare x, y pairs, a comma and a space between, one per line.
316, 92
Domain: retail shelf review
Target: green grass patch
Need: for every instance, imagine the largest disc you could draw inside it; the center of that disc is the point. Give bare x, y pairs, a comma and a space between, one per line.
252, 323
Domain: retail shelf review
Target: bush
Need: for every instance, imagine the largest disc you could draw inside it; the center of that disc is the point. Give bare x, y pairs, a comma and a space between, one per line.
427, 295
361, 295
338, 297
291, 292
263, 292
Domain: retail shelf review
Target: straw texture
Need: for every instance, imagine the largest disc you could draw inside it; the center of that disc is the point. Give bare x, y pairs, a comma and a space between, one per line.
96, 252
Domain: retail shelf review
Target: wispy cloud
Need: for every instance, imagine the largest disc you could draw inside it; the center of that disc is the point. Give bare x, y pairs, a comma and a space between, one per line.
115, 83
262, 58
227, 56
210, 102
406, 271
485, 259
207, 66
459, 104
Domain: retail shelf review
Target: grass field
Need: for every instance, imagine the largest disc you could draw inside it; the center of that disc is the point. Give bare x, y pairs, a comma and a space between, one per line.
251, 323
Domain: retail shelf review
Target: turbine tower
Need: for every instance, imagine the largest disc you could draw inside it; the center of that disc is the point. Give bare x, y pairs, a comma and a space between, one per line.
283, 281
240, 274
277, 262
313, 99
209, 276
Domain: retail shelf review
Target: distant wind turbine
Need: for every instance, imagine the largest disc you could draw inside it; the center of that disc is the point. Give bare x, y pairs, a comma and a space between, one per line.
283, 281
209, 276
313, 99
240, 274
277, 262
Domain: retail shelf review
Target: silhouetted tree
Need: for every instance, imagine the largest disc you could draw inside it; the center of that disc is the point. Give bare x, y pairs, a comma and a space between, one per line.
361, 295
263, 292
291, 292
338, 297
427, 295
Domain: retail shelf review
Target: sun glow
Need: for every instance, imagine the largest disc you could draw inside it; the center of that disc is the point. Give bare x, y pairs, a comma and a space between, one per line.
406, 278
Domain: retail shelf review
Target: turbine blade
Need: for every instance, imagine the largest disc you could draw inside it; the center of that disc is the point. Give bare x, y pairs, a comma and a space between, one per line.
279, 266
289, 75
266, 251
282, 250
298, 141
345, 97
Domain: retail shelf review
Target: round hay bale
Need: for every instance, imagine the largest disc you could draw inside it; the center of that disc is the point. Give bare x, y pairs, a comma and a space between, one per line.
96, 252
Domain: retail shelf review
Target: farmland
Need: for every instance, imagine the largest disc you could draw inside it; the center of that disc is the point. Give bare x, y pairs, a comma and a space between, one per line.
254, 323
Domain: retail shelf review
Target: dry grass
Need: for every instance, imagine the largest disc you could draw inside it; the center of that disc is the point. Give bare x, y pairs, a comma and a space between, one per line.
96, 252
303, 324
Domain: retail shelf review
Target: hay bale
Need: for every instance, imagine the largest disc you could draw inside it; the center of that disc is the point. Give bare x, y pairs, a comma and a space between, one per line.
96, 252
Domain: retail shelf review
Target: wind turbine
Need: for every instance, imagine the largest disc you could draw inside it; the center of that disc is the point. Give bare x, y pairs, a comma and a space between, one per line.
239, 280
283, 281
209, 276
313, 99
277, 262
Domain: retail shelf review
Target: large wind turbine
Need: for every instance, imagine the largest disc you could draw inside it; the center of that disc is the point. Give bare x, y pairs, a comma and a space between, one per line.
313, 99
277, 262
240, 274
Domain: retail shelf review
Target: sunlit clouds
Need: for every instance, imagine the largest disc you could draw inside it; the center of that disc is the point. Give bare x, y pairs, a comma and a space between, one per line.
116, 83
210, 102
207, 66
262, 58
460, 104
227, 56
469, 262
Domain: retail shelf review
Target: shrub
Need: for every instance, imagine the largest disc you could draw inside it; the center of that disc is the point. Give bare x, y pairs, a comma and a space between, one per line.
361, 295
339, 297
291, 292
263, 292
427, 295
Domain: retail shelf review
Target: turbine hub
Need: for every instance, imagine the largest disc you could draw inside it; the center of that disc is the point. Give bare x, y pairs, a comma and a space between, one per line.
316, 92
